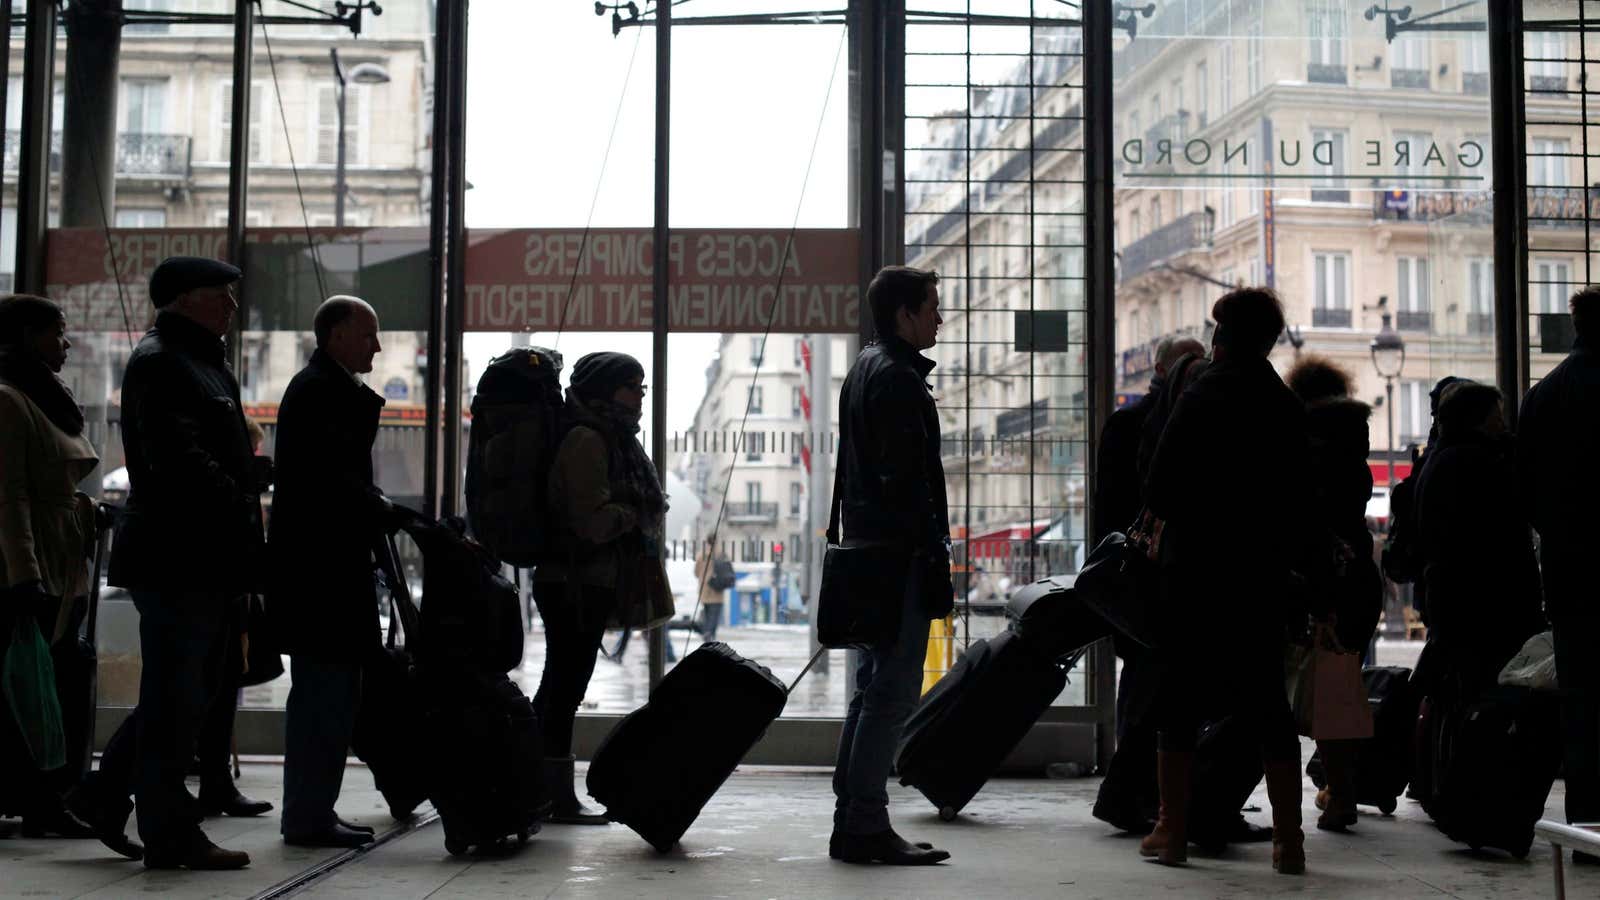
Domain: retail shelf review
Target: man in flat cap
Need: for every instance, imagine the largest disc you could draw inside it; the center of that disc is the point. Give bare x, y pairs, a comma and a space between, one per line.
188, 546
328, 519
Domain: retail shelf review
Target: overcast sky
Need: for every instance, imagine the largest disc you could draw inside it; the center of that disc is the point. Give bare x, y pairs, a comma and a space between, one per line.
543, 83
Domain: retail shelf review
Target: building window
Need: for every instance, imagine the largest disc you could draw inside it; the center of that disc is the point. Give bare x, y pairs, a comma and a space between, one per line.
1551, 282
1411, 423
1544, 55
1411, 277
755, 399
1547, 163
144, 105
221, 139
1328, 160
1473, 51
1225, 83
326, 126
141, 218
1252, 61
1408, 66
755, 445
758, 349
1326, 28
798, 360
794, 402
1330, 291
796, 490
752, 494
1411, 152
1202, 94
149, 27
1480, 296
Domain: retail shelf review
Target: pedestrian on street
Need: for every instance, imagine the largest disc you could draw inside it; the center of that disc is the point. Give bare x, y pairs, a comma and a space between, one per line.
1558, 462
1230, 471
707, 569
47, 533
609, 515
892, 489
188, 546
1350, 598
329, 519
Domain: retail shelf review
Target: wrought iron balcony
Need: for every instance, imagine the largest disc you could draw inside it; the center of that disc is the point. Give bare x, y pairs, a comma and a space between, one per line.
1022, 420
1413, 320
1322, 317
1327, 73
1409, 78
1547, 84
1480, 323
144, 155
1191, 231
753, 512
1475, 82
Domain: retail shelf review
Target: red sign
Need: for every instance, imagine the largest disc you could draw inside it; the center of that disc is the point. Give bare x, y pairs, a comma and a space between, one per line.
529, 279
720, 280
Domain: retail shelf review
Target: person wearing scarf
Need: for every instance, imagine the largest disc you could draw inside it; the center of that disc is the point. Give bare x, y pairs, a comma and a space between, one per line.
46, 531
609, 513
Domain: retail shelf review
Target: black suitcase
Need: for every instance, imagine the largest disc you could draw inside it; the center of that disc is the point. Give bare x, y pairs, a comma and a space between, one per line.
1502, 755
974, 716
659, 767
1385, 761
1052, 619
486, 752
1227, 768
388, 729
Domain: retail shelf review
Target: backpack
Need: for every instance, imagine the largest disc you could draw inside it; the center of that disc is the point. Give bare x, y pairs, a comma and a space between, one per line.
518, 421
722, 575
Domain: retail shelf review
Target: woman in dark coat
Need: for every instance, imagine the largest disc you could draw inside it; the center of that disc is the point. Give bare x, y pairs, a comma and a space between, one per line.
1229, 483
46, 533
1350, 598
1482, 577
609, 513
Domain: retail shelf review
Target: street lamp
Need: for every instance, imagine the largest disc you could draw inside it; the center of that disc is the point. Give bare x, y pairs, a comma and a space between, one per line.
363, 73
1389, 358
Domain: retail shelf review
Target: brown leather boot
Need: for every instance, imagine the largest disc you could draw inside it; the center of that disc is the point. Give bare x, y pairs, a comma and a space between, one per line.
1338, 800
1288, 841
1168, 842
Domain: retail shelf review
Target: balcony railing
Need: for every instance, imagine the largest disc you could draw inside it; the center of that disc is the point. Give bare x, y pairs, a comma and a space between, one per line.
752, 512
1188, 232
1475, 82
1409, 78
137, 154
1413, 320
1022, 420
1546, 84
1327, 73
1480, 323
1322, 317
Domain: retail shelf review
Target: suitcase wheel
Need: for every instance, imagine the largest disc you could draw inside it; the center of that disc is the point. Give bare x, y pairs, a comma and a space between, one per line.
947, 813
456, 846
1387, 807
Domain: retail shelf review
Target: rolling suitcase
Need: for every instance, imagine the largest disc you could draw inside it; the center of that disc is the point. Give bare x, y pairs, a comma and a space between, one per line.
1384, 763
1502, 755
388, 729
659, 767
977, 713
485, 751
1052, 620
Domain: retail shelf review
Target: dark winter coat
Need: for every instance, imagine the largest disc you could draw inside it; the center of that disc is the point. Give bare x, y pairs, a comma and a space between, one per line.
327, 515
1341, 485
192, 520
892, 479
1118, 491
1229, 479
1477, 552
1558, 463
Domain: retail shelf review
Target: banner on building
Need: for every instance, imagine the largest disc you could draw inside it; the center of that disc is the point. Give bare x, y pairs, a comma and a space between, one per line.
526, 279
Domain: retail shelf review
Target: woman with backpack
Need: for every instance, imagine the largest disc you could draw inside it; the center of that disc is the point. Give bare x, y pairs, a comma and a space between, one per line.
715, 574
609, 514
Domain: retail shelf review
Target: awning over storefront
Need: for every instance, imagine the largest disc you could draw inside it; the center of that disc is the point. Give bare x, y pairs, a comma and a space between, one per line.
1380, 471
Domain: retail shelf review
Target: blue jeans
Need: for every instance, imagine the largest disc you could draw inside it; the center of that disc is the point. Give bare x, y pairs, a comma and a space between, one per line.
181, 637
888, 683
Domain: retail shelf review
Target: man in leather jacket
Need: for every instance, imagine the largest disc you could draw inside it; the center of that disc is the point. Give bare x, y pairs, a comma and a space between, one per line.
188, 546
892, 489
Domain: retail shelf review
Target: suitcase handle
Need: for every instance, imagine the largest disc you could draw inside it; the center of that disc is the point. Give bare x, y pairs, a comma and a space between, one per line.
814, 657
399, 593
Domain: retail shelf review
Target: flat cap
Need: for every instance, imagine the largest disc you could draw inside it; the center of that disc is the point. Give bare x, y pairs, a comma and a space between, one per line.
178, 274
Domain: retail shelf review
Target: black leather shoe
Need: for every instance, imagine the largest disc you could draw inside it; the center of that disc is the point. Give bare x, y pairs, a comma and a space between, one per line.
335, 835
888, 848
55, 823
108, 818
203, 856
836, 840
232, 803
353, 826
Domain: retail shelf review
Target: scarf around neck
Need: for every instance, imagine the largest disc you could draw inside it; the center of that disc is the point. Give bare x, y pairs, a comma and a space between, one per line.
34, 379
628, 462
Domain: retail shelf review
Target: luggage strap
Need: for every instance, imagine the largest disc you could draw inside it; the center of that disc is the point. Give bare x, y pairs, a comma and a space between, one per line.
814, 657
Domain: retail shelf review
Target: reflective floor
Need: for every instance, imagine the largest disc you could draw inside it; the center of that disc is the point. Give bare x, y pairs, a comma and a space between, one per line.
765, 835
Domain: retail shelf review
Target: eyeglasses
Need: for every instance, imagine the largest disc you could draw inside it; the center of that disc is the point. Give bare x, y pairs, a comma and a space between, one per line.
641, 388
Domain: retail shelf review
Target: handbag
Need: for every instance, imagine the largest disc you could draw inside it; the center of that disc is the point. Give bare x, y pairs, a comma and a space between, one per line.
262, 662
857, 600
1534, 666
1325, 689
1121, 582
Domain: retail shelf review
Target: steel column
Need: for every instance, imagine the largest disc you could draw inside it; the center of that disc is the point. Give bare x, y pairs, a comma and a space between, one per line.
244, 12
33, 170
661, 279
437, 212
1100, 312
1507, 111
456, 259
